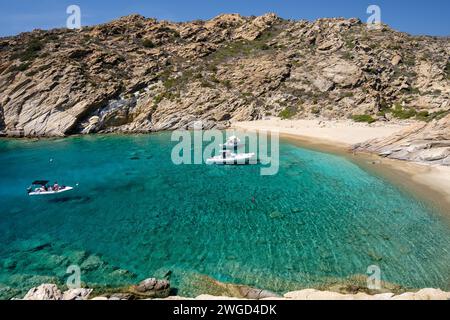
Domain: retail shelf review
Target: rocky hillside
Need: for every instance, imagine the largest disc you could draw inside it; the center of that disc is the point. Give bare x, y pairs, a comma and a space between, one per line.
141, 75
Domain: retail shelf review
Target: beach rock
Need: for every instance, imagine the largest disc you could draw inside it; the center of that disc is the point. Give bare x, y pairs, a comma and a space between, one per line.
434, 154
44, 292
424, 294
76, 294
313, 294
151, 288
255, 294
207, 297
100, 299
121, 296
422, 142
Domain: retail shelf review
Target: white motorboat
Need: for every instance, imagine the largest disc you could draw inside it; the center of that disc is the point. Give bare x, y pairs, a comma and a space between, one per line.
228, 158
232, 143
41, 188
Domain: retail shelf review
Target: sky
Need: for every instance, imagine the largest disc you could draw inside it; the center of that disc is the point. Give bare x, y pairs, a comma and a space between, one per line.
430, 17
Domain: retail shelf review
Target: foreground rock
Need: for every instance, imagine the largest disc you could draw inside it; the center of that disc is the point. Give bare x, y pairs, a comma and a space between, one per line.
141, 75
151, 288
154, 289
77, 294
311, 294
44, 292
51, 292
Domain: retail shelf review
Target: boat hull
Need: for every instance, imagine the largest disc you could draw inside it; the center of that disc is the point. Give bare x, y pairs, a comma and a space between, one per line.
244, 160
47, 193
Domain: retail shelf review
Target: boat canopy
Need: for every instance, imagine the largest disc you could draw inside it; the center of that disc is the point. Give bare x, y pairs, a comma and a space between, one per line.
40, 182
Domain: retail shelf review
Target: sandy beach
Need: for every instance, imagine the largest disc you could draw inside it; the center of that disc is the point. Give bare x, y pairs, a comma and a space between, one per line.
430, 182
342, 132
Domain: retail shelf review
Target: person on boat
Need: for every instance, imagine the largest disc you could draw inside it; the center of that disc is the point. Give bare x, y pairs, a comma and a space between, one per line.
56, 186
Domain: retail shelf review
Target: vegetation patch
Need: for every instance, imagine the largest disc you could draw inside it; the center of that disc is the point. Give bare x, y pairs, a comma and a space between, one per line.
315, 110
367, 118
426, 116
31, 51
400, 112
21, 67
288, 113
147, 43
245, 47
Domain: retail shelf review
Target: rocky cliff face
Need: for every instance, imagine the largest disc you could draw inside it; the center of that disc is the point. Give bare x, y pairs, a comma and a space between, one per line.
141, 75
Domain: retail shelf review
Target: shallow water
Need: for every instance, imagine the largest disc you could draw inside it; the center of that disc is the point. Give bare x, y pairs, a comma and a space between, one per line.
135, 215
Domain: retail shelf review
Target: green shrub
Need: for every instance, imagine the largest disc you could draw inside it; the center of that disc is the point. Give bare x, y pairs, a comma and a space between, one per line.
158, 98
423, 115
206, 84
350, 43
348, 94
315, 110
148, 43
403, 113
288, 113
169, 83
31, 51
414, 90
363, 118
227, 84
21, 67
438, 115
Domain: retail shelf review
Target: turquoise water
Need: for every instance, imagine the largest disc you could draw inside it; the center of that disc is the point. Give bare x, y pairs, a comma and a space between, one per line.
135, 215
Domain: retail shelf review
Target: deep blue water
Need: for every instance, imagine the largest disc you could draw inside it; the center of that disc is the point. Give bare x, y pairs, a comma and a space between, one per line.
136, 215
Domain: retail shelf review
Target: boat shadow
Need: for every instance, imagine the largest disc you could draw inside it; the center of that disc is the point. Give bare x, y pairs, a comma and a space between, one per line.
69, 199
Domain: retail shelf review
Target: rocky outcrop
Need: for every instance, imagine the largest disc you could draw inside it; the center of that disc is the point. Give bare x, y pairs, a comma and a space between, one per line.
141, 75
51, 292
312, 294
151, 288
423, 142
77, 294
44, 292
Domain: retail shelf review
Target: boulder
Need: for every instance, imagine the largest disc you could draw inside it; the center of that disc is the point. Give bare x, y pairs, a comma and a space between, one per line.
151, 288
44, 292
434, 154
396, 60
76, 294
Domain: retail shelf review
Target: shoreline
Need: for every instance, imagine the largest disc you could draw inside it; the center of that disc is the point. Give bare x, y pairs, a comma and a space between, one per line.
153, 289
425, 182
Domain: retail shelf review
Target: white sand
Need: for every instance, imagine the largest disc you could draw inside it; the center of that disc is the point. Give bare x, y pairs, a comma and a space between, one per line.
344, 132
